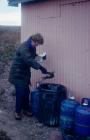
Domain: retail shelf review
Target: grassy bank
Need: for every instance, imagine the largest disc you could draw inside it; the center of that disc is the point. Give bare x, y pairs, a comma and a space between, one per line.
9, 40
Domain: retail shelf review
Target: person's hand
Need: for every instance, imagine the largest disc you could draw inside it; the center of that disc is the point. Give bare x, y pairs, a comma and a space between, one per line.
43, 70
51, 74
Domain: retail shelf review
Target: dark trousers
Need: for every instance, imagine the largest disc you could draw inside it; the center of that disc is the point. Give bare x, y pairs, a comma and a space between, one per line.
22, 98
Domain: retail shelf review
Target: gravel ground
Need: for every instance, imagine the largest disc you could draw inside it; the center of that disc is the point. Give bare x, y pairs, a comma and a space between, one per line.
28, 128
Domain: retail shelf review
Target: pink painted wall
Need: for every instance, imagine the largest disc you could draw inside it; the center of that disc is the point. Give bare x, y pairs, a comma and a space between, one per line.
66, 30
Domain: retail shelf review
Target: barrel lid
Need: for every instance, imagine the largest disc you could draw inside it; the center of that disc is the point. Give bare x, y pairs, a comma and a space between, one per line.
85, 104
72, 97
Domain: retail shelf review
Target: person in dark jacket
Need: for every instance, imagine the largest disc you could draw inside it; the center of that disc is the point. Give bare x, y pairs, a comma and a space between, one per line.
20, 73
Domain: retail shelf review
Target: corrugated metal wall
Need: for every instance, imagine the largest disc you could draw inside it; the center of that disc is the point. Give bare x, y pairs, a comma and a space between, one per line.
66, 30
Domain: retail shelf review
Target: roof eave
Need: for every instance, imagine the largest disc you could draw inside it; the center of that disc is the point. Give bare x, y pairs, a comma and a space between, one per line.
16, 2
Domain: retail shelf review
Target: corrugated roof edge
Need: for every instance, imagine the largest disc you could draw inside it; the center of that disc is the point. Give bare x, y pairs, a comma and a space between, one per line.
16, 2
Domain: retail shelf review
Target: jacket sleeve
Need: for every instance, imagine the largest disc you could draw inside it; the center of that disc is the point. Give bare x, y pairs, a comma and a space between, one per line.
29, 60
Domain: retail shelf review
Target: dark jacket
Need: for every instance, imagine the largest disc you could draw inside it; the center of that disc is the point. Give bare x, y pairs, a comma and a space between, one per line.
20, 71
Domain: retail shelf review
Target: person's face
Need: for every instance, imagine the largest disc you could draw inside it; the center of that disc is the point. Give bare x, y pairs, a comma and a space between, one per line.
34, 44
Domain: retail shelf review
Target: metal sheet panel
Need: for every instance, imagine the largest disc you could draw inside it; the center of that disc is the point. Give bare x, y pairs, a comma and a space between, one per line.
67, 42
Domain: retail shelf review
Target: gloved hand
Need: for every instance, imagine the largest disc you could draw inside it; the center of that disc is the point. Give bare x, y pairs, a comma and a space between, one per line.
49, 75
43, 70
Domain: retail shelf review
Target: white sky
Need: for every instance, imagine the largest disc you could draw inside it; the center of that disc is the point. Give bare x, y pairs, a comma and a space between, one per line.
9, 15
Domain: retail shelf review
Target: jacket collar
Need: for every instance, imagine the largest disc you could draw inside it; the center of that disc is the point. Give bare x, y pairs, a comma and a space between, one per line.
29, 45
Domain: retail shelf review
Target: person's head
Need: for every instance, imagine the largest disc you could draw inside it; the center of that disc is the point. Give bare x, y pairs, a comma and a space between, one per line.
37, 39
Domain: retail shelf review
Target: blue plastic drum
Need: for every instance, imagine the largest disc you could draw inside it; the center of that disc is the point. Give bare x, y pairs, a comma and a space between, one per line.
67, 115
82, 121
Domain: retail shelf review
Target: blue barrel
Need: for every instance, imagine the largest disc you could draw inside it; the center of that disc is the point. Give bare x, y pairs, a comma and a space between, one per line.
35, 102
50, 99
67, 115
74, 137
50, 116
82, 121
